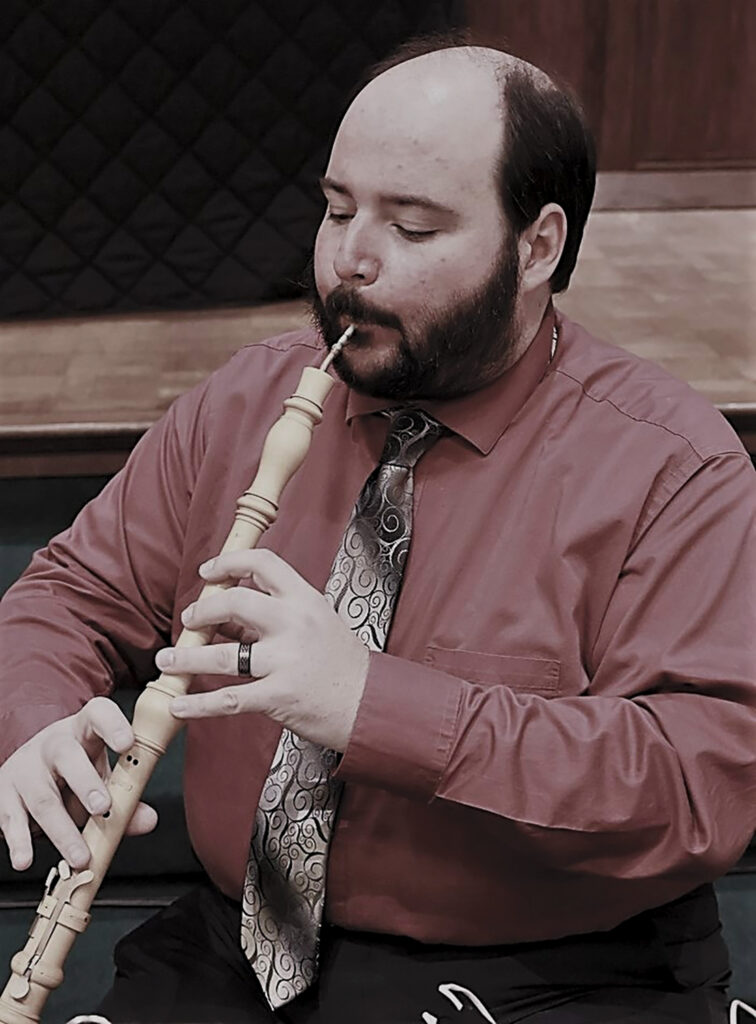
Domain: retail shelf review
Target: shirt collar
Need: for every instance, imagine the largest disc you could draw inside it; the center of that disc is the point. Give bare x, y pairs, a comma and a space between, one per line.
482, 416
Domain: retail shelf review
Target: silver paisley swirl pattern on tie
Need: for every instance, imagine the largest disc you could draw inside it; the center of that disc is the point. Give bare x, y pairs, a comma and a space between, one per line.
284, 886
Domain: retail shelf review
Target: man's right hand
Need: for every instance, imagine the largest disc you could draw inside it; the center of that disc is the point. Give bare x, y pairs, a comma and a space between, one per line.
58, 776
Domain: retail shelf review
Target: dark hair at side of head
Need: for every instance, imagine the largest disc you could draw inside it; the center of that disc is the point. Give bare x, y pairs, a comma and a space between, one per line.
548, 154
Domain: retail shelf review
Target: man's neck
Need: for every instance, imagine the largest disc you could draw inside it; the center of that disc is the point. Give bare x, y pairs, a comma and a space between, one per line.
530, 313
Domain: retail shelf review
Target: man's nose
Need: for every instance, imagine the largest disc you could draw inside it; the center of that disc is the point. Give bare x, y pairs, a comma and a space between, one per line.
355, 260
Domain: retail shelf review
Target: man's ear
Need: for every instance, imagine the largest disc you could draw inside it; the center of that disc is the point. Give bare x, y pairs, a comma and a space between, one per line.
541, 245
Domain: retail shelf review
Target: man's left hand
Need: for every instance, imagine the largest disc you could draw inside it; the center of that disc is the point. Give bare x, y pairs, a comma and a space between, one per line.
308, 669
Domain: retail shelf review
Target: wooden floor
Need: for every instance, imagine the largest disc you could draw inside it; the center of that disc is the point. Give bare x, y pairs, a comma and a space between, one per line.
673, 286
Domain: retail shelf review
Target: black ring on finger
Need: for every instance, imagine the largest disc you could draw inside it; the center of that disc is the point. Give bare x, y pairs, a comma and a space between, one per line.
244, 659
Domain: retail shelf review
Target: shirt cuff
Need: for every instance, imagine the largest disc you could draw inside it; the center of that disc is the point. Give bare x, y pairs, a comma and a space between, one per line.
404, 730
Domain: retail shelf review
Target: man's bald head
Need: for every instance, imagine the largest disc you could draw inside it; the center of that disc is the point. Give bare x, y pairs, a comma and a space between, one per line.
543, 150
456, 84
454, 65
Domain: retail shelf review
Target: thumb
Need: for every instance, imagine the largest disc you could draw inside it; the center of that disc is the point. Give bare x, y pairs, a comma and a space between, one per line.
143, 820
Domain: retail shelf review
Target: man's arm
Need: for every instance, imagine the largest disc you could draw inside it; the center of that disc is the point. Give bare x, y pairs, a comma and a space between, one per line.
651, 773
96, 603
90, 611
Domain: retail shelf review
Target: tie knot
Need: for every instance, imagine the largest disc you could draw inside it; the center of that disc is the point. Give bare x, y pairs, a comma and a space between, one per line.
411, 433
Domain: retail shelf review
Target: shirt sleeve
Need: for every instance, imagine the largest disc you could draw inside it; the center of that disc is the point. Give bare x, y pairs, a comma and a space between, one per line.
649, 773
95, 605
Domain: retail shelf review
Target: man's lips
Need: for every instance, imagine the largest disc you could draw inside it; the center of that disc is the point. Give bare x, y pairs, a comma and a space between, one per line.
366, 331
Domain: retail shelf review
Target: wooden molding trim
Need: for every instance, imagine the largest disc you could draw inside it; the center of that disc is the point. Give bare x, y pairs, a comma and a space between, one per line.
675, 190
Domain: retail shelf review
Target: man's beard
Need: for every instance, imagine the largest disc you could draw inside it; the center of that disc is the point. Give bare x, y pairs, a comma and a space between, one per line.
447, 354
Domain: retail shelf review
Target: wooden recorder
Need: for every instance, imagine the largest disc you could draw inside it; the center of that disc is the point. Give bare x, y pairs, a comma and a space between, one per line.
37, 969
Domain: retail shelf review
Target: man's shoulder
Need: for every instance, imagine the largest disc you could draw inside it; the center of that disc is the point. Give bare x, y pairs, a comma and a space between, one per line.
251, 384
255, 368
642, 392
293, 346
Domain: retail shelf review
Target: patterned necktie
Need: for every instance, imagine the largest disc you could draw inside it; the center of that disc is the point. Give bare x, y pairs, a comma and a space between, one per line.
284, 887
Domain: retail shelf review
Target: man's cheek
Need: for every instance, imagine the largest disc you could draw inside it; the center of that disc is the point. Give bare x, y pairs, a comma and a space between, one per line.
323, 272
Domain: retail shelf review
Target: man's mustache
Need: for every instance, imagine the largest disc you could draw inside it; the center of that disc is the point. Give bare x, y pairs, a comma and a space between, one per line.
343, 303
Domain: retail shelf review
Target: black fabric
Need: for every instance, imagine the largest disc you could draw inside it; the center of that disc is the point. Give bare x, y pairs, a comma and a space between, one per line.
186, 965
165, 153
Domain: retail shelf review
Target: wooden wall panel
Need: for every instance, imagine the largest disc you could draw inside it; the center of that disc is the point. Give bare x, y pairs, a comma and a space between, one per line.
694, 100
667, 84
615, 138
566, 39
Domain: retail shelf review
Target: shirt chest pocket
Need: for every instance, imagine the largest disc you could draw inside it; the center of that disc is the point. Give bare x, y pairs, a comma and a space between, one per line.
521, 674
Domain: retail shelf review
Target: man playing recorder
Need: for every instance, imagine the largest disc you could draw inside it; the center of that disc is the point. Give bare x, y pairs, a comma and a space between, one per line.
490, 711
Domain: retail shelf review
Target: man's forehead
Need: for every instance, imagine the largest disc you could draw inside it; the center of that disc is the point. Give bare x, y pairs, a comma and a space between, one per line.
419, 178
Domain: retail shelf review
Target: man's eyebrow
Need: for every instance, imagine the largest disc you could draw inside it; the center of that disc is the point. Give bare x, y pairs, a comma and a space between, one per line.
333, 186
421, 202
393, 199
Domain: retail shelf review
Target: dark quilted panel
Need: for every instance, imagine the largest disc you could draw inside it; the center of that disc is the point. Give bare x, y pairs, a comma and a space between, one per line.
164, 154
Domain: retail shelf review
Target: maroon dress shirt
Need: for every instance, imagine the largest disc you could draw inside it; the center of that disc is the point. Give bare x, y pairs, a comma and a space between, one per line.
561, 731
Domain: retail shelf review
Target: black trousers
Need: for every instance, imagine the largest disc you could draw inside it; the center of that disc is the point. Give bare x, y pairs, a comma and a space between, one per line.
185, 965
